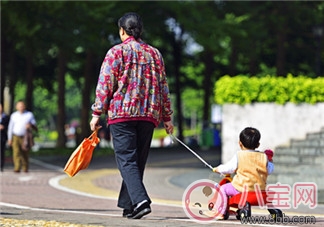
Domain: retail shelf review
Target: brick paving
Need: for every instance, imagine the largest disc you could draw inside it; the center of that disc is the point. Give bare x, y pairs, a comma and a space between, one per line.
27, 199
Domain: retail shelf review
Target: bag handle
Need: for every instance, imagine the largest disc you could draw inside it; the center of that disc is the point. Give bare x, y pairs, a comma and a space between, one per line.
94, 138
94, 133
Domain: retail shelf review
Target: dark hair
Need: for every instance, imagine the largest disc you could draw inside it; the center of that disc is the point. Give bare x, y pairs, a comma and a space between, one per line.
250, 138
132, 24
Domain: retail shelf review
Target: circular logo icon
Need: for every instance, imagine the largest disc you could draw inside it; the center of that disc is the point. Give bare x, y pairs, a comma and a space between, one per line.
201, 201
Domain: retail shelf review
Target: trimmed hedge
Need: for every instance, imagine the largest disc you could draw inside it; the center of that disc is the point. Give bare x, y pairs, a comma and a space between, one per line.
243, 89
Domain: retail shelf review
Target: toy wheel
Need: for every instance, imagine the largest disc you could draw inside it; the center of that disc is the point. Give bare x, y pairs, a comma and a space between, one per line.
275, 213
247, 209
226, 215
238, 217
242, 214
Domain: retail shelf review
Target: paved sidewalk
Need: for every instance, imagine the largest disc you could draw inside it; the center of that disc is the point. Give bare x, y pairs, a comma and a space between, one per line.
89, 198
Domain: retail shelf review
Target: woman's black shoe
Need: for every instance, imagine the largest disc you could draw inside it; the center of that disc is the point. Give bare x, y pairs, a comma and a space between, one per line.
127, 212
140, 211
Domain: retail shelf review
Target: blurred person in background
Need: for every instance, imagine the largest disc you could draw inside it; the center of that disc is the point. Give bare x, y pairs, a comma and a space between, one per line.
21, 124
4, 121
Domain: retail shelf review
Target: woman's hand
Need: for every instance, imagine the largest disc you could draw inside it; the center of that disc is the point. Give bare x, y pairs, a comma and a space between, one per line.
94, 123
168, 127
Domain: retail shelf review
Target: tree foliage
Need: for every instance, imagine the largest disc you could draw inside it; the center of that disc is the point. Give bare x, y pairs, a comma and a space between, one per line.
43, 43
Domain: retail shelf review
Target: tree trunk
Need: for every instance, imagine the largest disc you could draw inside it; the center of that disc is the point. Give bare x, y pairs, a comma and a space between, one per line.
4, 59
233, 59
253, 63
8, 74
281, 38
12, 78
177, 63
85, 109
61, 115
207, 86
30, 79
281, 53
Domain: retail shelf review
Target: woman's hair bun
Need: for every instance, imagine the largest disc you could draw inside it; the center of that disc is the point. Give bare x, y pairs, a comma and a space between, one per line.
132, 24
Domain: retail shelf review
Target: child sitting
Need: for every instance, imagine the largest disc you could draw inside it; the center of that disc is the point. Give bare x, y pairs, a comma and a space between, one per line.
251, 167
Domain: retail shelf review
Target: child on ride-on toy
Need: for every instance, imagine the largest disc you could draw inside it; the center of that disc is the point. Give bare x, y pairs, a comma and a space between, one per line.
251, 167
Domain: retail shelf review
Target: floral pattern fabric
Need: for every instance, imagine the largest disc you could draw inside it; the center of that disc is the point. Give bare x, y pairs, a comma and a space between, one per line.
132, 84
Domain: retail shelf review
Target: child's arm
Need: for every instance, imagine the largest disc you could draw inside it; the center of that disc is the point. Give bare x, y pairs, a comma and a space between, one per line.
270, 167
227, 168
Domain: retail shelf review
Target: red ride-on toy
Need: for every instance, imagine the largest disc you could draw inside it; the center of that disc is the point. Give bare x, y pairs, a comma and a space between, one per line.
251, 200
234, 201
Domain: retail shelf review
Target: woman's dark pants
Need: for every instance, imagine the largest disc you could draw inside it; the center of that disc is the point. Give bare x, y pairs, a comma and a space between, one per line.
132, 141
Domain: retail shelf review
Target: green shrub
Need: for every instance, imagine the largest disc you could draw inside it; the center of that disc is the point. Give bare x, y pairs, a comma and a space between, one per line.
243, 89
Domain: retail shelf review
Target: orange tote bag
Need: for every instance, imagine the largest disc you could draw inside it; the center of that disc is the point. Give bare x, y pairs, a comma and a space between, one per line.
81, 157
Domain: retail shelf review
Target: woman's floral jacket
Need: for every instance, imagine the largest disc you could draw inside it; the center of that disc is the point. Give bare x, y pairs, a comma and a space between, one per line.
132, 84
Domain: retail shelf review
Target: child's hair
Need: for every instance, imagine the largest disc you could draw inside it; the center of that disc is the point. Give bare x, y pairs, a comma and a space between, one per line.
250, 138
